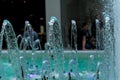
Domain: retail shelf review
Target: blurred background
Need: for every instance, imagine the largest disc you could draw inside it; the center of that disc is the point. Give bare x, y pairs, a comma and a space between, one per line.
17, 11
38, 12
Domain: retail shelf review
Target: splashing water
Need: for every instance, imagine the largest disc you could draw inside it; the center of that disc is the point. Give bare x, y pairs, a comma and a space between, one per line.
15, 57
13, 52
53, 64
29, 38
73, 61
54, 46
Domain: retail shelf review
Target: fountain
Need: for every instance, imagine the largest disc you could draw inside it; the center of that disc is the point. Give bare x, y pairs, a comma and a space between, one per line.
12, 46
117, 38
55, 48
54, 62
73, 61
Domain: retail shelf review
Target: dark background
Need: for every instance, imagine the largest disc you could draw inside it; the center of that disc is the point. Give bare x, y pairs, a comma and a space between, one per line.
17, 11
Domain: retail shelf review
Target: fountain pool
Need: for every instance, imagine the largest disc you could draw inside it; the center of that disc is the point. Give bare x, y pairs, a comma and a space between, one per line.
87, 64
54, 63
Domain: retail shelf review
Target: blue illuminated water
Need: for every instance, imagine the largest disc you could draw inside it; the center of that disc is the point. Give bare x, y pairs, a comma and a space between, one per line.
53, 64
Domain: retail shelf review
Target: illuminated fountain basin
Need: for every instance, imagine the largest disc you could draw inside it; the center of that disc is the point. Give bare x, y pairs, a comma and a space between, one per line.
87, 64
54, 63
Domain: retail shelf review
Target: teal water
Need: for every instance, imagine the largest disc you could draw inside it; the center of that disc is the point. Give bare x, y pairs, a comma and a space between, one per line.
87, 62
